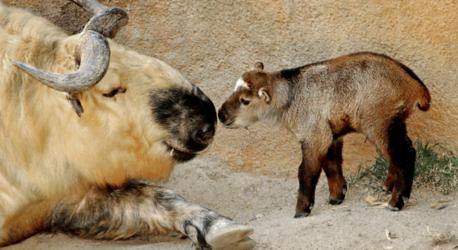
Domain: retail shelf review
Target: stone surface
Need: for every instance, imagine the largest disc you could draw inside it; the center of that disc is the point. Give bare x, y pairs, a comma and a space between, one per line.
213, 42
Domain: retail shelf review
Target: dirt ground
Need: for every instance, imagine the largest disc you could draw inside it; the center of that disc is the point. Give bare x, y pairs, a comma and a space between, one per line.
267, 203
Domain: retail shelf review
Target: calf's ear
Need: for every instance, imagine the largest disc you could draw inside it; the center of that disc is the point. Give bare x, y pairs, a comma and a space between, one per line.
259, 66
264, 94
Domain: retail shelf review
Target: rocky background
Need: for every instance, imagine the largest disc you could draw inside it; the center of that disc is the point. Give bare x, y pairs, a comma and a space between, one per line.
212, 42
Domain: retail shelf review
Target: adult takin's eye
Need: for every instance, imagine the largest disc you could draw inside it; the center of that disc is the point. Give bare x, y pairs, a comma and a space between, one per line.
244, 101
115, 91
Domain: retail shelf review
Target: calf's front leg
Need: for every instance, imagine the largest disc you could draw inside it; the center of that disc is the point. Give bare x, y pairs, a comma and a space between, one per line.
313, 154
140, 208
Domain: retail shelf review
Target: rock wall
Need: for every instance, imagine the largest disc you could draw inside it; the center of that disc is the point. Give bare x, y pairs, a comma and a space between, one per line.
213, 41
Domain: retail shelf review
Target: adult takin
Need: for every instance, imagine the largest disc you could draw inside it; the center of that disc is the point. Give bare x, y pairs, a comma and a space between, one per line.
363, 92
81, 148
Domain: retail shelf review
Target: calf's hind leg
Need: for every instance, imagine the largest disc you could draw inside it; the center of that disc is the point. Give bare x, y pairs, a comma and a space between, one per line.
142, 209
390, 178
332, 166
397, 148
402, 163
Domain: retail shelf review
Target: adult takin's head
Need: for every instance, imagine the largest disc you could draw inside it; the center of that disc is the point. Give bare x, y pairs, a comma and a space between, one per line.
82, 149
120, 102
188, 116
256, 96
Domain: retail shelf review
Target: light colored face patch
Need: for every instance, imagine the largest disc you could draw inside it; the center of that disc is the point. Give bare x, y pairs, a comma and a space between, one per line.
240, 84
320, 67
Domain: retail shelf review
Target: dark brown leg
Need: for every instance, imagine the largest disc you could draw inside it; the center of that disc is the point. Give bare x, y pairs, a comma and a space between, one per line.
390, 179
313, 153
402, 163
395, 145
308, 176
332, 166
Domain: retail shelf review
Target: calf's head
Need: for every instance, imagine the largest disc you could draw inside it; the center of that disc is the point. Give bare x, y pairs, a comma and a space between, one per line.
250, 101
124, 101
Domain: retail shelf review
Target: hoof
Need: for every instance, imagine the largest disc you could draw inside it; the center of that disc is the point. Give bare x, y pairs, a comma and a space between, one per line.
335, 201
224, 233
391, 208
245, 244
301, 214
396, 206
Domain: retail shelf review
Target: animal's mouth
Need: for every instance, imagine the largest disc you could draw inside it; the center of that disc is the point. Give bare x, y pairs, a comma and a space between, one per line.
179, 153
232, 125
229, 124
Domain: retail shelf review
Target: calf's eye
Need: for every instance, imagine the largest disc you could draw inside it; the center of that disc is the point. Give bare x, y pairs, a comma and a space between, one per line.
244, 101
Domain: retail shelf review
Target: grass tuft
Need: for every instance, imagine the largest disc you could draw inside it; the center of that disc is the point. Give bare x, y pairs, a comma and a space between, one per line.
435, 167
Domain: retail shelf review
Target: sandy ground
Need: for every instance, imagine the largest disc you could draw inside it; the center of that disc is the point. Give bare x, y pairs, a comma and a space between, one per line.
267, 203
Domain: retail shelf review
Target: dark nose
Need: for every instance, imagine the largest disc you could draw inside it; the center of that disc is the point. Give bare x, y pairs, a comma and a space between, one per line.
222, 116
205, 134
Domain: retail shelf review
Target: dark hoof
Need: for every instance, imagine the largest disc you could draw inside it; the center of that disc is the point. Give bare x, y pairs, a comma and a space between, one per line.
301, 215
397, 206
335, 201
303, 206
391, 208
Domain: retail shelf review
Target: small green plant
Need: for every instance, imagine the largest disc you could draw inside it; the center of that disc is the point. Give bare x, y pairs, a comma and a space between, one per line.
435, 167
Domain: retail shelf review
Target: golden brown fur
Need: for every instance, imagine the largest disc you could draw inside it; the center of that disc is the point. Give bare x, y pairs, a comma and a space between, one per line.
364, 92
36, 118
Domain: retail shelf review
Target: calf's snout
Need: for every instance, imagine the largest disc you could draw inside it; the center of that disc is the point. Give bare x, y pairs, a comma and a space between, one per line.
222, 115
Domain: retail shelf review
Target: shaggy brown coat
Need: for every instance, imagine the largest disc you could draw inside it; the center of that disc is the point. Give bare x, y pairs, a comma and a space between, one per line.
366, 93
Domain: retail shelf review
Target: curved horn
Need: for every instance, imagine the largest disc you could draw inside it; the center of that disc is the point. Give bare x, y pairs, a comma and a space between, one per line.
95, 57
91, 5
94, 51
107, 21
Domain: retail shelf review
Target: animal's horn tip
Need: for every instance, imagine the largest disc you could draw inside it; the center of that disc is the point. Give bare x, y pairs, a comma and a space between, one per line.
18, 64
22, 66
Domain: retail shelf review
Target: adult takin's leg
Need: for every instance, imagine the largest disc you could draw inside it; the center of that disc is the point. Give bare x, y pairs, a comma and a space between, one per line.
140, 208
25, 223
402, 164
332, 166
313, 154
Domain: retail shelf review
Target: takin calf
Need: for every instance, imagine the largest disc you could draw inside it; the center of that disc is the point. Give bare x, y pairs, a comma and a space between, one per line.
321, 102
80, 149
